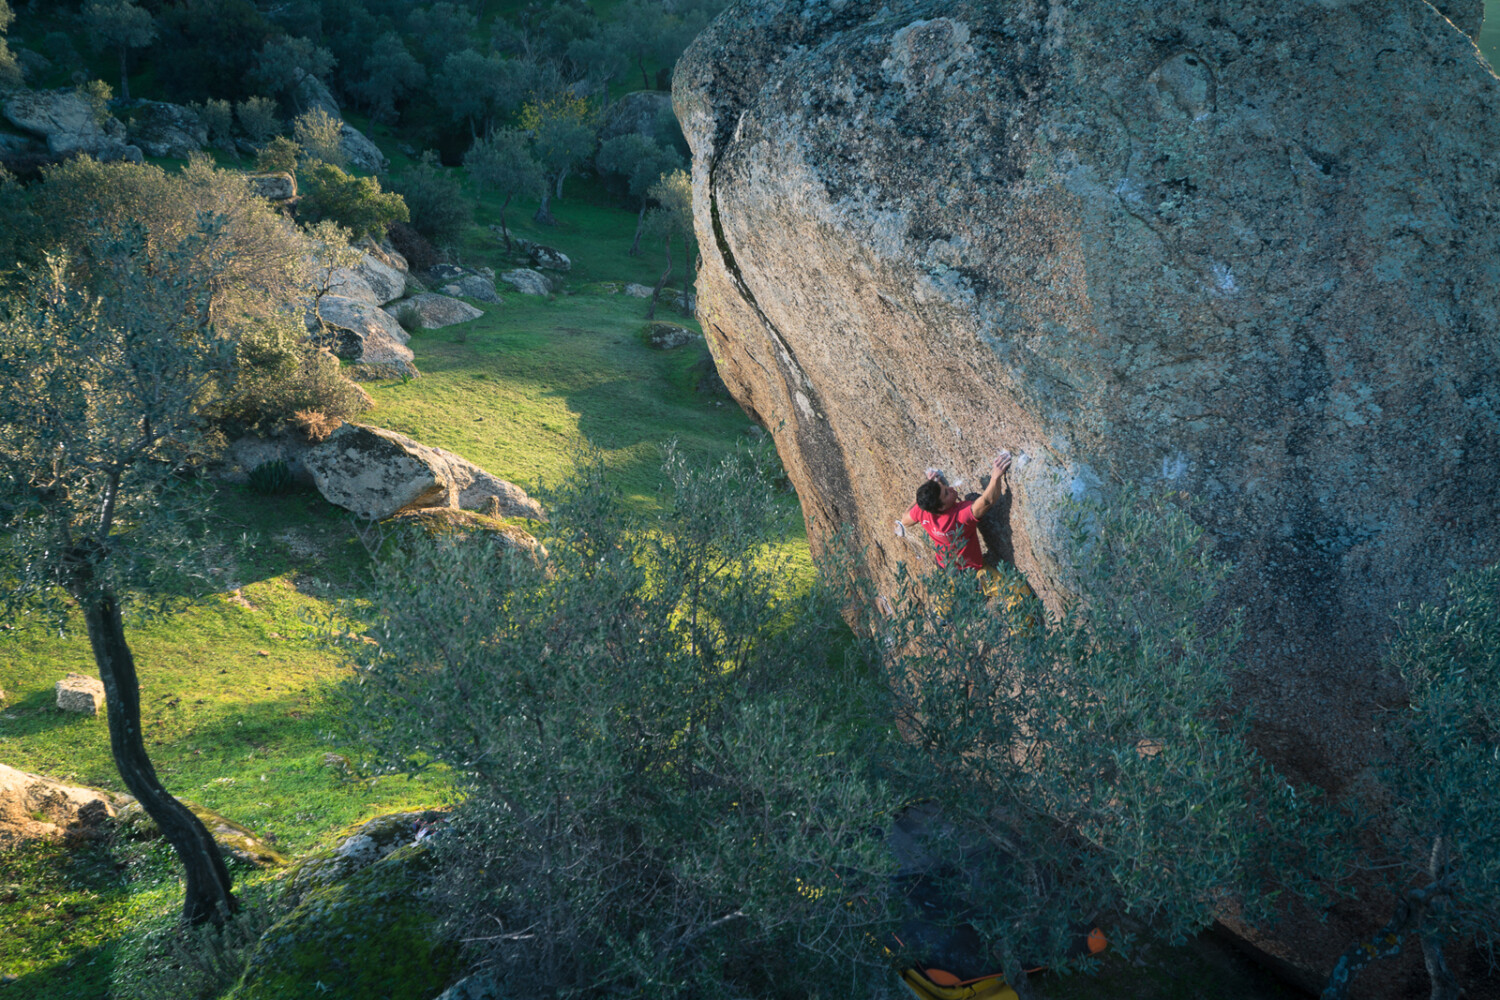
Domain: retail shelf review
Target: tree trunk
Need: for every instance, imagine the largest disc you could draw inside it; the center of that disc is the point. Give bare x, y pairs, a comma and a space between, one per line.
562, 175
124, 75
208, 896
656, 292
544, 210
503, 231
645, 80
640, 225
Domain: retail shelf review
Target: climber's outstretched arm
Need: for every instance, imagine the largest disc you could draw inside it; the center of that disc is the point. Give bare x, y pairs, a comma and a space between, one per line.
1002, 462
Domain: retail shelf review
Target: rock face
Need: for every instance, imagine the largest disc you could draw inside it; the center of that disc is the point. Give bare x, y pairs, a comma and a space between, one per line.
362, 153
363, 332
437, 311
1244, 250
1467, 15
273, 187
32, 806
309, 93
370, 280
168, 130
377, 473
79, 693
67, 122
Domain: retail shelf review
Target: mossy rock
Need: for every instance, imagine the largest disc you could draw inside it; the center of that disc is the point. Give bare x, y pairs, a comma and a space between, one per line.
435, 521
369, 936
235, 841
356, 847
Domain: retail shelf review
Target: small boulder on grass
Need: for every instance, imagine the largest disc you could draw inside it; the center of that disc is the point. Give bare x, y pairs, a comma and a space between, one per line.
669, 336
473, 286
235, 841
79, 693
549, 258
636, 291
434, 312
527, 282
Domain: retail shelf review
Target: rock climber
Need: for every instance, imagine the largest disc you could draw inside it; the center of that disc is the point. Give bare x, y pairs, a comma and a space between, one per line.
952, 523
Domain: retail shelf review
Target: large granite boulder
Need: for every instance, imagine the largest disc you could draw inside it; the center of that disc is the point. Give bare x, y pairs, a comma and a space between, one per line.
362, 153
378, 473
161, 129
33, 807
273, 187
370, 280
358, 330
434, 311
309, 93
67, 122
526, 281
1242, 249
474, 286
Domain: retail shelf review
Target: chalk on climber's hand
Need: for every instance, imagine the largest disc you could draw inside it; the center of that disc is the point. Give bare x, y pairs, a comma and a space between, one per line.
900, 530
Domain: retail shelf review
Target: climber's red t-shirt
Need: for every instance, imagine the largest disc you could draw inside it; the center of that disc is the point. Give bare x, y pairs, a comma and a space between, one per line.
945, 529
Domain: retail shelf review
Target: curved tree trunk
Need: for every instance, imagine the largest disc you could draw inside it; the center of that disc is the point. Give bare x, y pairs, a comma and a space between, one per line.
544, 209
656, 292
504, 231
209, 896
640, 226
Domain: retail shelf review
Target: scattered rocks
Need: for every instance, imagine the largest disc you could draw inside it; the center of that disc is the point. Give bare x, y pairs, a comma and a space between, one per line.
549, 258
80, 693
273, 187
362, 153
362, 332
66, 121
474, 286
34, 807
434, 311
161, 129
667, 336
527, 282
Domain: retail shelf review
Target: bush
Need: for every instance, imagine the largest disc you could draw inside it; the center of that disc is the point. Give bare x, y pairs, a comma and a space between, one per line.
258, 119
283, 374
438, 208
278, 157
668, 783
356, 203
419, 252
321, 136
218, 117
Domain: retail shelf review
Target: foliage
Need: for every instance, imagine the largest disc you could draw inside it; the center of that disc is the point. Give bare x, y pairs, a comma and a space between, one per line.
320, 136
502, 161
173, 962
218, 117
390, 74
279, 156
1444, 783
479, 89
671, 219
441, 30
356, 203
653, 800
419, 252
282, 374
562, 135
642, 163
1097, 748
439, 211
101, 408
10, 69
282, 63
97, 94
258, 119
207, 48
119, 25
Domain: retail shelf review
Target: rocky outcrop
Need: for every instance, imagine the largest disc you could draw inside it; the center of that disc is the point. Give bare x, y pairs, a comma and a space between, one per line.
360, 331
378, 473
273, 187
435, 311
370, 280
1245, 250
310, 93
640, 112
527, 282
79, 693
67, 122
1467, 15
361, 152
161, 129
33, 807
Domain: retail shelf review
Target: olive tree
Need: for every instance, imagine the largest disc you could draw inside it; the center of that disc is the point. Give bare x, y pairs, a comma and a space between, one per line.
1097, 748
1445, 786
671, 219
562, 135
101, 408
667, 775
10, 68
121, 26
642, 162
502, 161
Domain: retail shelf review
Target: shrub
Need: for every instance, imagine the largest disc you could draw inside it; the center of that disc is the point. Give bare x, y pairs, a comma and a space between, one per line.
356, 203
258, 119
654, 802
218, 117
438, 208
282, 374
320, 135
279, 156
409, 318
316, 425
271, 478
419, 252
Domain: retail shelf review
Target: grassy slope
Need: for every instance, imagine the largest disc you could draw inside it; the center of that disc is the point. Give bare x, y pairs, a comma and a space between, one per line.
236, 689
